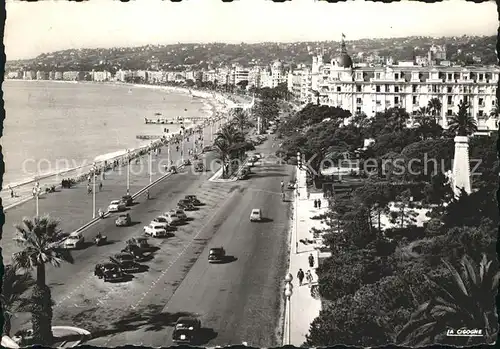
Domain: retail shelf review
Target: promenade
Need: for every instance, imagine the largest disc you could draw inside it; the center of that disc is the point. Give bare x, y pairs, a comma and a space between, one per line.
74, 206
304, 308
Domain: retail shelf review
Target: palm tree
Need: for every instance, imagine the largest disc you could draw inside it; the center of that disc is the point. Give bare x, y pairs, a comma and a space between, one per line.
223, 149
38, 237
434, 106
426, 123
14, 286
240, 119
462, 124
467, 302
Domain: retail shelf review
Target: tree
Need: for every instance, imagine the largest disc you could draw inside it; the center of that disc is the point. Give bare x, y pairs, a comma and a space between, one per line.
462, 124
14, 287
223, 148
240, 119
427, 126
465, 302
242, 84
405, 215
39, 237
435, 106
225, 141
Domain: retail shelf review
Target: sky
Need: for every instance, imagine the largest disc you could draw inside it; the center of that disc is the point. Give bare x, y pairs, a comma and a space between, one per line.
47, 26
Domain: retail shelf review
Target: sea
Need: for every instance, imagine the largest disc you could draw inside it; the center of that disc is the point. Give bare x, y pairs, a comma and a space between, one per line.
53, 126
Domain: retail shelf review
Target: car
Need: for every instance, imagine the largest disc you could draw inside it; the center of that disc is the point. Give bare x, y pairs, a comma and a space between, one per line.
242, 176
126, 262
127, 200
123, 220
216, 255
161, 221
171, 217
136, 252
186, 205
194, 200
199, 167
181, 215
186, 330
141, 242
256, 215
109, 272
155, 230
73, 241
116, 206
187, 162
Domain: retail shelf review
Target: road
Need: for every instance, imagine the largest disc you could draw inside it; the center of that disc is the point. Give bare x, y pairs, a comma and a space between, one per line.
238, 301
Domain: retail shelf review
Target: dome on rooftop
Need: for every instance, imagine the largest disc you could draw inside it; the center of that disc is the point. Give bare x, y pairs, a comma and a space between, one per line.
344, 60
277, 64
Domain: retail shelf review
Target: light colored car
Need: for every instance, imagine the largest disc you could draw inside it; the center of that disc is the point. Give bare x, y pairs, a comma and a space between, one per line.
161, 221
123, 220
171, 217
256, 215
116, 206
74, 240
155, 230
181, 215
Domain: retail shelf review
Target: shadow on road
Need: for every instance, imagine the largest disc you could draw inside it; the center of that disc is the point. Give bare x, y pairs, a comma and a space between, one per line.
228, 259
266, 220
134, 223
147, 319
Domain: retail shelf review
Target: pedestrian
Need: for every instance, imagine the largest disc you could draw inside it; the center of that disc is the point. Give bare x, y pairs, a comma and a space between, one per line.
89, 178
319, 203
311, 260
300, 276
11, 192
89, 190
315, 203
100, 186
308, 195
309, 277
147, 194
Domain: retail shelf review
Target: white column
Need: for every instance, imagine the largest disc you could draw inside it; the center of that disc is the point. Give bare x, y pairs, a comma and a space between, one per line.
461, 167
128, 172
150, 166
93, 190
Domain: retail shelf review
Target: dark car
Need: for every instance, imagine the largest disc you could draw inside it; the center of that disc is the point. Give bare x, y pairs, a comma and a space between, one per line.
193, 199
109, 272
126, 262
123, 220
186, 330
186, 205
216, 255
141, 242
136, 252
127, 200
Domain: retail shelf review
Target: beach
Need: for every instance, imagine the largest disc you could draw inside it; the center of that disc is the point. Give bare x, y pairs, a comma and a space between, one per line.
54, 129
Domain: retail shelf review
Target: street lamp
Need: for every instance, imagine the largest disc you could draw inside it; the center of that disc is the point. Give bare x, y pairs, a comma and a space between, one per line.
288, 295
36, 191
93, 173
128, 172
151, 163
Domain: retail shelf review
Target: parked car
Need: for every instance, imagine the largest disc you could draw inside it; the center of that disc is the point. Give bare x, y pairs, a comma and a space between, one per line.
181, 215
126, 262
256, 215
116, 206
155, 230
186, 330
171, 217
187, 162
194, 200
109, 272
73, 241
186, 205
136, 252
123, 220
141, 242
161, 221
216, 255
127, 200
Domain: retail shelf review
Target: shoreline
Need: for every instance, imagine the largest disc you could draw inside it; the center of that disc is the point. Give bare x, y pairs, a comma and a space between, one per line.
216, 102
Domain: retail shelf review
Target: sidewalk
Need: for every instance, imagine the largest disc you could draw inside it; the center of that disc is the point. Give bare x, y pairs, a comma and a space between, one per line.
304, 308
74, 206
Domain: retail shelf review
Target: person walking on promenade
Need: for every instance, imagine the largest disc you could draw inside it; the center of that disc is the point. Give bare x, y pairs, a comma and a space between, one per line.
315, 203
319, 203
100, 186
282, 186
309, 277
147, 194
11, 192
308, 195
300, 276
89, 189
311, 260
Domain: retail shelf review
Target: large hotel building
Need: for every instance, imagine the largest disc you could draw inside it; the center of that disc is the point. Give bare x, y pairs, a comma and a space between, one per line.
371, 89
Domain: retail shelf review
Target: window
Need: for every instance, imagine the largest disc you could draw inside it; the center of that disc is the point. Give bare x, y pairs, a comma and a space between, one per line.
414, 112
358, 88
358, 109
396, 100
414, 99
377, 88
465, 99
449, 112
378, 102
414, 88
396, 76
481, 76
448, 89
480, 113
450, 99
338, 89
481, 102
450, 76
434, 88
377, 75
387, 88
396, 89
358, 100
493, 102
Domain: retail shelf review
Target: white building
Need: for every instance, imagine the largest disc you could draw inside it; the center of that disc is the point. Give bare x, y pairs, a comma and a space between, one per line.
239, 74
300, 84
29, 75
123, 75
101, 75
374, 89
274, 76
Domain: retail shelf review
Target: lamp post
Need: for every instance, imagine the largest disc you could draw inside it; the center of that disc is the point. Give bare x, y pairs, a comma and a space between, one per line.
93, 173
128, 172
183, 142
168, 154
151, 163
288, 295
36, 191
